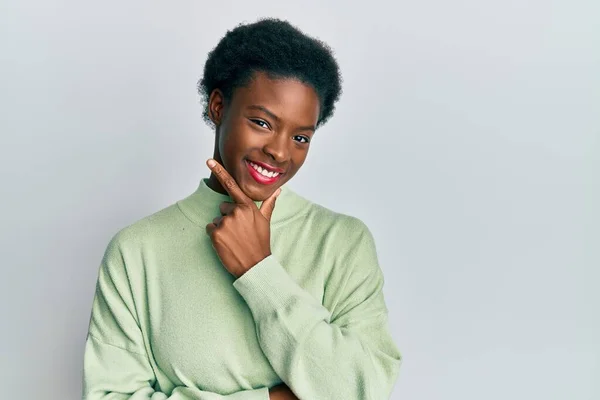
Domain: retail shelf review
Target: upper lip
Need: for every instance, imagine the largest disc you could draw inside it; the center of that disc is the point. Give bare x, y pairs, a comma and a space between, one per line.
268, 166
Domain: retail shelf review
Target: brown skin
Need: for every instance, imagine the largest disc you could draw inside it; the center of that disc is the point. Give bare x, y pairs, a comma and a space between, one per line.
270, 121
277, 137
281, 392
241, 234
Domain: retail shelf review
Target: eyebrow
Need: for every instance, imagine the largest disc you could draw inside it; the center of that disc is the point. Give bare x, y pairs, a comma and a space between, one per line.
276, 118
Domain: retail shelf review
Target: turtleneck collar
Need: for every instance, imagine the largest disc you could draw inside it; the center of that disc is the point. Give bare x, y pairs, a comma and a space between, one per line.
202, 206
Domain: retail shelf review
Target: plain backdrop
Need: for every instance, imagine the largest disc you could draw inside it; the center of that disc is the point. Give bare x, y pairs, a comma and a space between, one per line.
467, 139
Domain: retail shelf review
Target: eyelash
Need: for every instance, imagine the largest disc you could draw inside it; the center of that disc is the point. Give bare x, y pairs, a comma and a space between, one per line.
259, 121
303, 137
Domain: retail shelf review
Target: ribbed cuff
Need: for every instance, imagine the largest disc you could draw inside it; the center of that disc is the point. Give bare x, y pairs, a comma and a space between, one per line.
267, 285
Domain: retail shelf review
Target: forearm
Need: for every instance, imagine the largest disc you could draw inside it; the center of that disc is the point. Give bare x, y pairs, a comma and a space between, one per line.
317, 358
117, 374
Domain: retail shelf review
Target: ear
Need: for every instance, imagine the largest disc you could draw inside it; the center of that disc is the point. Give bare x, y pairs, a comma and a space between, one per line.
216, 106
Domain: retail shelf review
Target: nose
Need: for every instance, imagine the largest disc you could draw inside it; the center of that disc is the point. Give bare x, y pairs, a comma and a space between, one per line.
277, 148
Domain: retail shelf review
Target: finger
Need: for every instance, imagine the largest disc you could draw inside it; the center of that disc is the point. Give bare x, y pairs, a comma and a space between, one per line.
217, 220
267, 206
226, 208
228, 183
210, 228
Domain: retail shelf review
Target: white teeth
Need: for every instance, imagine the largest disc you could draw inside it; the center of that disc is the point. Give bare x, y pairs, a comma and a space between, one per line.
263, 171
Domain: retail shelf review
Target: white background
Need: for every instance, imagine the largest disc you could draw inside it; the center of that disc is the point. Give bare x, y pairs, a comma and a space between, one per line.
467, 138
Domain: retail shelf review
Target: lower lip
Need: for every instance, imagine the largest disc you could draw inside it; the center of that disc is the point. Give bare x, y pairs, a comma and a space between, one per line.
260, 178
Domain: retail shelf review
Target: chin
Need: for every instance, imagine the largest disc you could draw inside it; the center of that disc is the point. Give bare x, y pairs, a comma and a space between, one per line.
257, 194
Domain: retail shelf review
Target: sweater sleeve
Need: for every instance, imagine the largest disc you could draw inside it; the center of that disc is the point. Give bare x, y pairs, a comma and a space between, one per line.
116, 364
344, 354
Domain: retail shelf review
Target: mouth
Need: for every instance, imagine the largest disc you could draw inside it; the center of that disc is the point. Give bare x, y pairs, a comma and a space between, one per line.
263, 174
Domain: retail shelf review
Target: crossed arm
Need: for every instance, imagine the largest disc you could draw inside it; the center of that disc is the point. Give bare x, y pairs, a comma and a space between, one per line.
345, 353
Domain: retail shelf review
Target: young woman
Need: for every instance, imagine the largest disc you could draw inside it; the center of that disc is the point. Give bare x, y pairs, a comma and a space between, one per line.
245, 289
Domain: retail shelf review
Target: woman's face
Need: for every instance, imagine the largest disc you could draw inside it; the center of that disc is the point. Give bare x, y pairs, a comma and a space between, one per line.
268, 123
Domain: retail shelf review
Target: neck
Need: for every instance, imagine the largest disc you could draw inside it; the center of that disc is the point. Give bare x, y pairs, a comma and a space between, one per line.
215, 185
213, 182
203, 205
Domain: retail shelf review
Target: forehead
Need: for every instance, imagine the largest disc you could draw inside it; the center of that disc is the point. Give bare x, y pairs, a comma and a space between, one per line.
291, 100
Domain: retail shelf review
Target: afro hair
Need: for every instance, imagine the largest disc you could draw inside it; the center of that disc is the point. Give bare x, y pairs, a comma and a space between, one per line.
280, 50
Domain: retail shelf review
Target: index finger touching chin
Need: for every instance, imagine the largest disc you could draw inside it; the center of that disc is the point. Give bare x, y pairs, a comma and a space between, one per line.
228, 183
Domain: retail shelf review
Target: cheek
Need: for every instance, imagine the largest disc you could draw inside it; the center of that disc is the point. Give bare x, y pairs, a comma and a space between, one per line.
301, 155
227, 145
234, 143
298, 158
300, 162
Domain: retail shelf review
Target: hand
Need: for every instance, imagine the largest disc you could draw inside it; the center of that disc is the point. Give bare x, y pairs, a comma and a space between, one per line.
281, 392
242, 235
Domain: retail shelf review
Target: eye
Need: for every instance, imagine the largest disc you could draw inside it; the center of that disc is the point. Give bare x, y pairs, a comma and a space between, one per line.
305, 138
260, 123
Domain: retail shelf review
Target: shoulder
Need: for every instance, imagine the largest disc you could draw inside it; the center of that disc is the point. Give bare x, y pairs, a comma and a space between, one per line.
343, 226
148, 230
348, 236
125, 256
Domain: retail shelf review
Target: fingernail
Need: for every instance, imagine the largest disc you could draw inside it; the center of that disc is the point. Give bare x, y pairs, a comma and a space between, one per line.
211, 163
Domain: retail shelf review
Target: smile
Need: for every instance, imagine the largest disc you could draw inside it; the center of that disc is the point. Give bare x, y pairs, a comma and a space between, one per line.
261, 174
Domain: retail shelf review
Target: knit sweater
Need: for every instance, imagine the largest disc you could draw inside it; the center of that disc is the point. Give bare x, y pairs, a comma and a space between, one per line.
169, 321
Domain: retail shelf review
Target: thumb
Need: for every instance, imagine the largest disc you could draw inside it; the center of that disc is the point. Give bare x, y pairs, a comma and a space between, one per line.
267, 206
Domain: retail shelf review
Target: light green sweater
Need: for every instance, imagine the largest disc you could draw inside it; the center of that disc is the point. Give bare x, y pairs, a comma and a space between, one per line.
169, 322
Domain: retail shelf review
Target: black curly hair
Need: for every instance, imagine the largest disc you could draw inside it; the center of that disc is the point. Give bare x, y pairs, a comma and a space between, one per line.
280, 50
